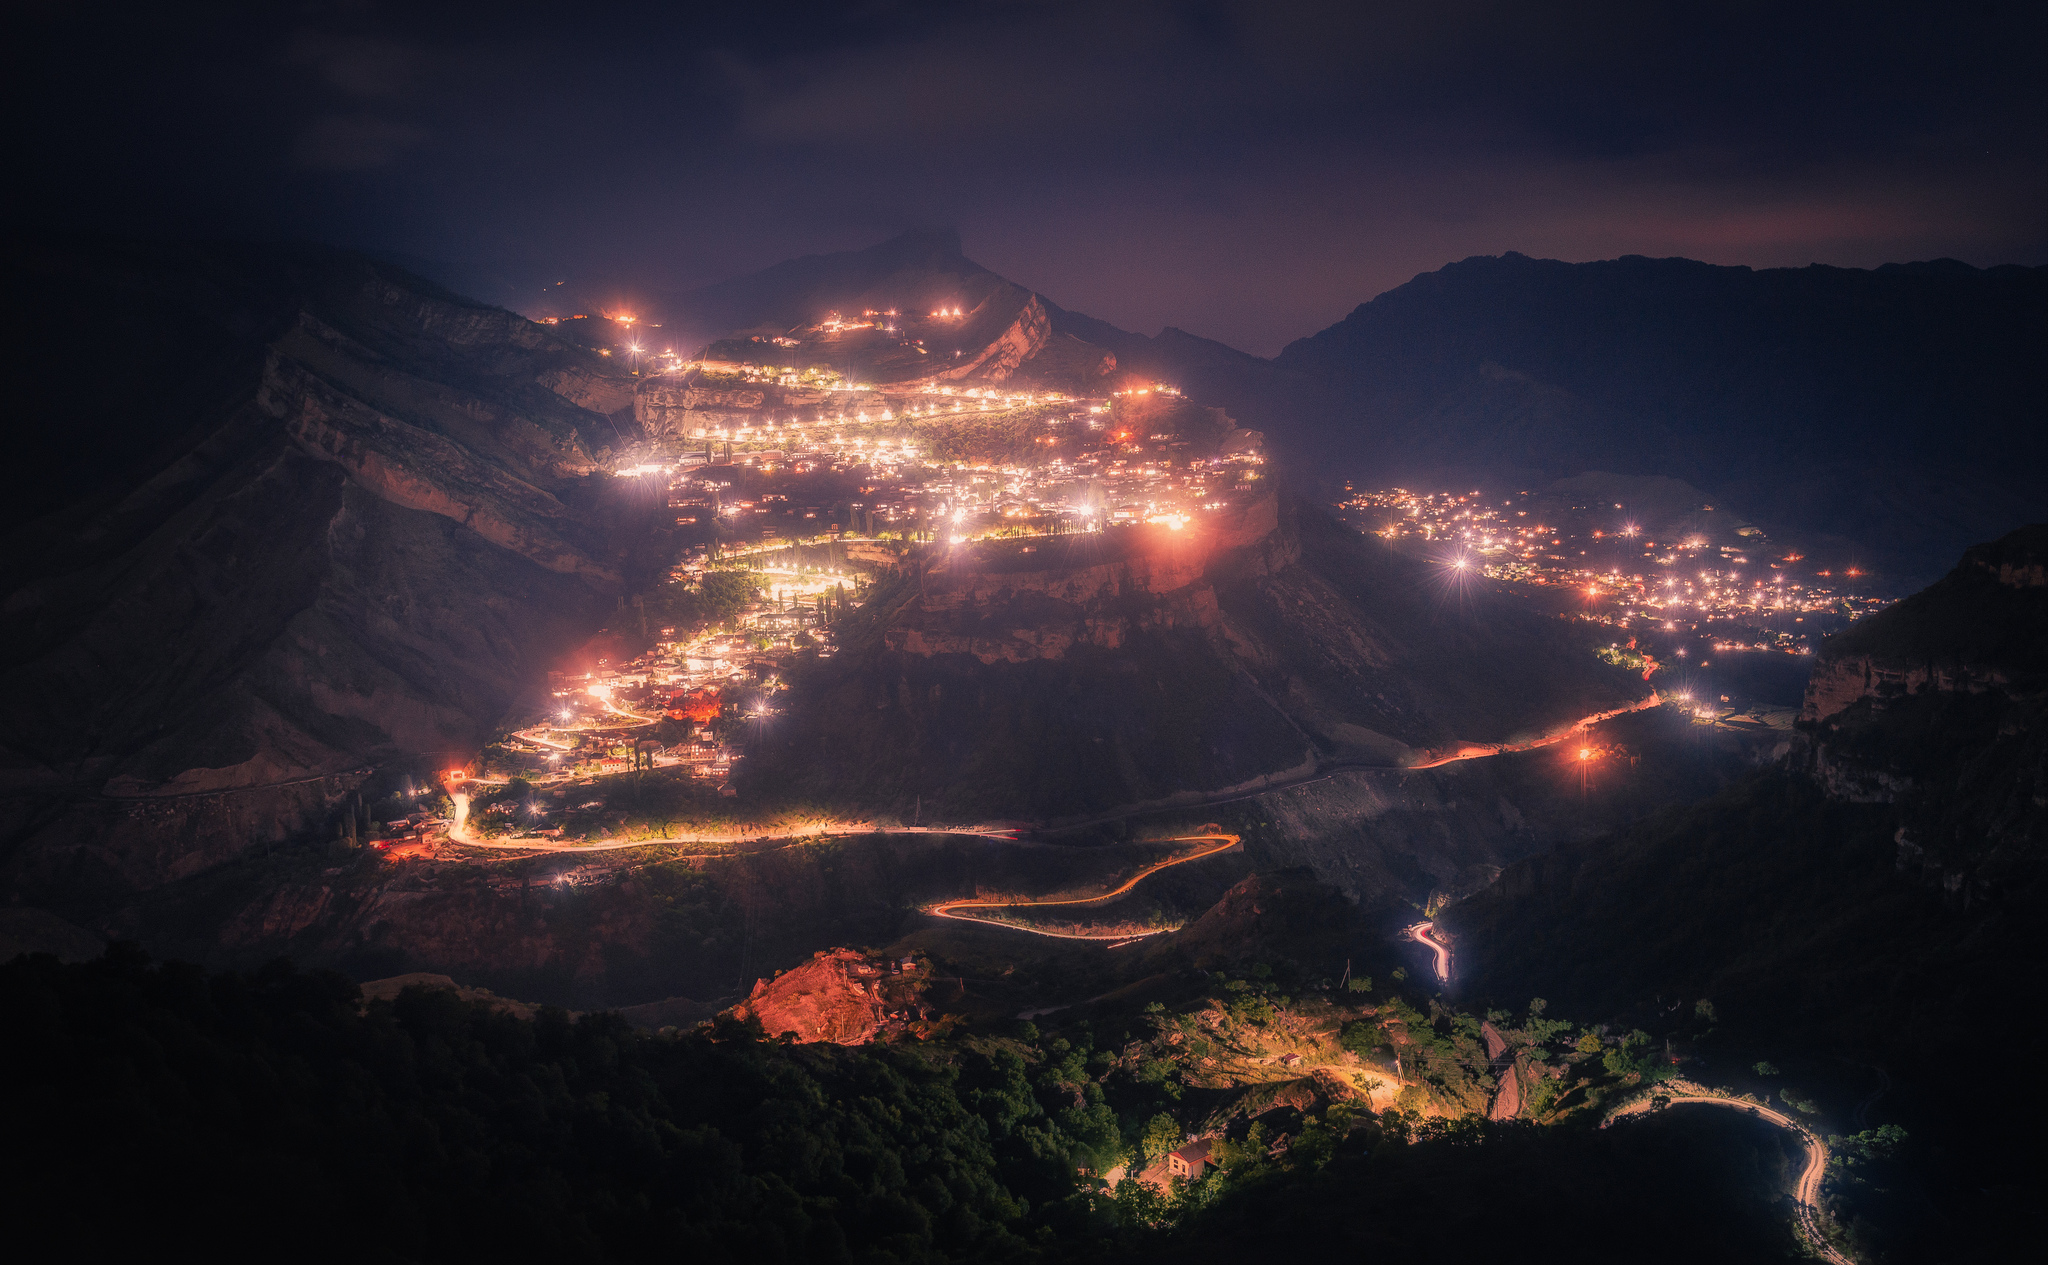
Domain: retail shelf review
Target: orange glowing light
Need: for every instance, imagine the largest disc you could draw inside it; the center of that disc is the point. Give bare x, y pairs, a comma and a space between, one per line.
1585, 754
700, 705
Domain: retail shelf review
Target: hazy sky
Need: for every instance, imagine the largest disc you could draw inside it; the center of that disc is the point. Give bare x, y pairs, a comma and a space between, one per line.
1247, 171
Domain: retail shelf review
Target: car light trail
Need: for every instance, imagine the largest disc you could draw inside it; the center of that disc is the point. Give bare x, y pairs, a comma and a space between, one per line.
1807, 1190
1218, 843
1421, 934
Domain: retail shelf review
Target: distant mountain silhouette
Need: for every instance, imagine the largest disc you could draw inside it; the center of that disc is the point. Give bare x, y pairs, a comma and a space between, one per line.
1900, 408
1893, 413
922, 265
927, 267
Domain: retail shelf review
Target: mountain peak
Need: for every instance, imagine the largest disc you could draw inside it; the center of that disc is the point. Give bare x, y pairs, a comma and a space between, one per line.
920, 243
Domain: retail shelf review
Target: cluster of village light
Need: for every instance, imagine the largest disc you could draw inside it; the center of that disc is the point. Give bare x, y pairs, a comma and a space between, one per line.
1687, 576
1103, 481
1081, 475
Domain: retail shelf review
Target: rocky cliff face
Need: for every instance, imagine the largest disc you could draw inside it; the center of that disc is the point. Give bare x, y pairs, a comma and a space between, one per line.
1936, 705
364, 530
999, 603
1021, 338
1149, 666
679, 408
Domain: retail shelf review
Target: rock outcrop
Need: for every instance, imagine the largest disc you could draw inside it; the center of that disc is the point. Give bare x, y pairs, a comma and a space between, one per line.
1937, 705
838, 996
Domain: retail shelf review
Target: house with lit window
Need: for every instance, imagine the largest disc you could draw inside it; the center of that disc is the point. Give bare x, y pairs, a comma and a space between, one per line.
1190, 1160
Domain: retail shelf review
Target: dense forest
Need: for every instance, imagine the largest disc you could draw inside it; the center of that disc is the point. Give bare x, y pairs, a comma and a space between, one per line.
277, 1111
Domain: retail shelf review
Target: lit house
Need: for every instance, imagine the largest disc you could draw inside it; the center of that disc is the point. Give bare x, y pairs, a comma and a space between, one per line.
1190, 1160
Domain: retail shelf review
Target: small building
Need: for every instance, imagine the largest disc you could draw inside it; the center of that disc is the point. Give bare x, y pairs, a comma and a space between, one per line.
1190, 1160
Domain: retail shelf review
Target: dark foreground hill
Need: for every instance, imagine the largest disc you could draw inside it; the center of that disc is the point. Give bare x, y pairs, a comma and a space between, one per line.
278, 1106
1868, 917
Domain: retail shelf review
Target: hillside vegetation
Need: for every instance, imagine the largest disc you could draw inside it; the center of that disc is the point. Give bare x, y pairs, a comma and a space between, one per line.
248, 1108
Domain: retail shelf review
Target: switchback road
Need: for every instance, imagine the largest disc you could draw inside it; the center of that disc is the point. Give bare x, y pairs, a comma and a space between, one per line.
458, 832
1217, 843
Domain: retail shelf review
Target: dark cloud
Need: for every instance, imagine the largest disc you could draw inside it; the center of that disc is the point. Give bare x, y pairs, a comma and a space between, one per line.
352, 142
357, 66
1244, 170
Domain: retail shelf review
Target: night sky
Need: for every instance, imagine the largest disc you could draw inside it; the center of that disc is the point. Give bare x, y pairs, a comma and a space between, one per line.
1248, 171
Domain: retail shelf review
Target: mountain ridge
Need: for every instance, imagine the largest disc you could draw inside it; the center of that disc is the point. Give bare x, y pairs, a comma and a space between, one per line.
1887, 413
358, 536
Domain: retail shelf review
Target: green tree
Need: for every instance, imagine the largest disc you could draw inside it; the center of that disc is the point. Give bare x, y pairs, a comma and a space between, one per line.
1160, 1135
1360, 1037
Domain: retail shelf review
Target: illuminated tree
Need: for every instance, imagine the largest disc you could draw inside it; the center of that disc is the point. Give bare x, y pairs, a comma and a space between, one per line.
1160, 1135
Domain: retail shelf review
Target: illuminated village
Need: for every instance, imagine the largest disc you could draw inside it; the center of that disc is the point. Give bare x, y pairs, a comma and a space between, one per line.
1724, 580
1032, 634
798, 495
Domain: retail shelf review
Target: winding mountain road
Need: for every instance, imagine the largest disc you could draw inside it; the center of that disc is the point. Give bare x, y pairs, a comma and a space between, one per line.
1807, 1190
1420, 933
1218, 843
1319, 770
1479, 751
458, 832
